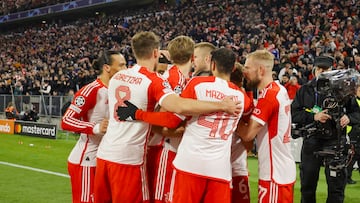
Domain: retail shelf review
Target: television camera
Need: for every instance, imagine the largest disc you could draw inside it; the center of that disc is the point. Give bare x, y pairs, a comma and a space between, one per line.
336, 87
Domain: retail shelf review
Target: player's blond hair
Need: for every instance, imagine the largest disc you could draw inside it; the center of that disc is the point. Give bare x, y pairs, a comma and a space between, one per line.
263, 57
144, 43
181, 49
206, 46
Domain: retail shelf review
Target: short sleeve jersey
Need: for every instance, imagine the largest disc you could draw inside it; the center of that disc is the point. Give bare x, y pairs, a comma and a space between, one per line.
206, 142
125, 141
274, 153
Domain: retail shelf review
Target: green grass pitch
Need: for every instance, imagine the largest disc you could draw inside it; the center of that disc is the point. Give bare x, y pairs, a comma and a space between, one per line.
22, 185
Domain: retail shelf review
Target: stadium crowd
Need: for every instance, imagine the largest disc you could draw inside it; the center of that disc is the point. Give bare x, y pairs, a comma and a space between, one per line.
295, 33
13, 6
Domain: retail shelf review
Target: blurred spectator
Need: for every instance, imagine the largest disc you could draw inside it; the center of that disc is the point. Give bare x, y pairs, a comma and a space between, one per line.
292, 87
12, 6
285, 79
291, 31
3, 88
18, 89
11, 112
288, 69
46, 88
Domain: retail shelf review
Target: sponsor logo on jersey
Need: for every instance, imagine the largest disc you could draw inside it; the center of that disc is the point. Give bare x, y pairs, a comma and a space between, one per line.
256, 111
79, 101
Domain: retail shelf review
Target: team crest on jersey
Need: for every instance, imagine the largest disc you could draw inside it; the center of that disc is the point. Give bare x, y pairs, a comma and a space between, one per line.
178, 89
79, 101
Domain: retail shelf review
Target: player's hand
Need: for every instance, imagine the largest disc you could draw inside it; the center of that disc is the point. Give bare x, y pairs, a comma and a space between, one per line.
178, 132
127, 113
103, 125
165, 53
322, 116
230, 106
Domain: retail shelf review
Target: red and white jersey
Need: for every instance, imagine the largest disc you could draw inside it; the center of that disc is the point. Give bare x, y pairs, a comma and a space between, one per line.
176, 78
238, 158
273, 141
177, 81
89, 107
205, 146
125, 141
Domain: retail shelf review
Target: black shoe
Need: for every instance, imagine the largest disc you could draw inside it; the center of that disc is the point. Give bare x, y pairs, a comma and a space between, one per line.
351, 181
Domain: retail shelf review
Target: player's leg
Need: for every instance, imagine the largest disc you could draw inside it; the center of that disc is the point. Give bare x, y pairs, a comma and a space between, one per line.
186, 188
75, 179
217, 191
164, 174
273, 192
241, 191
152, 165
82, 182
102, 190
128, 183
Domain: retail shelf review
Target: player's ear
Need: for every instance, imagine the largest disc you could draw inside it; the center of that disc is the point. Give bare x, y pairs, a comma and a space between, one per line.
207, 59
156, 54
262, 70
212, 66
106, 68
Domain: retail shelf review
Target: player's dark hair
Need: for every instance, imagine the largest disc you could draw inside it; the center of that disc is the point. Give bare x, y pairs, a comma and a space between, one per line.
224, 59
104, 58
237, 76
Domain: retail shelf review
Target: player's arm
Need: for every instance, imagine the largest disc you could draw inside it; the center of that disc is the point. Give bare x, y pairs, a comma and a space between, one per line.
132, 112
186, 106
79, 107
248, 131
169, 132
248, 145
165, 119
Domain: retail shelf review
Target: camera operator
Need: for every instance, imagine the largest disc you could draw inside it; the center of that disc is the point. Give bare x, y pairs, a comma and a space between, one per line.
308, 108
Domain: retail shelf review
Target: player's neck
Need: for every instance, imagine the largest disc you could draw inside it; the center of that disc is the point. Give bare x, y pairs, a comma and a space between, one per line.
147, 63
104, 79
265, 82
222, 76
184, 68
203, 69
